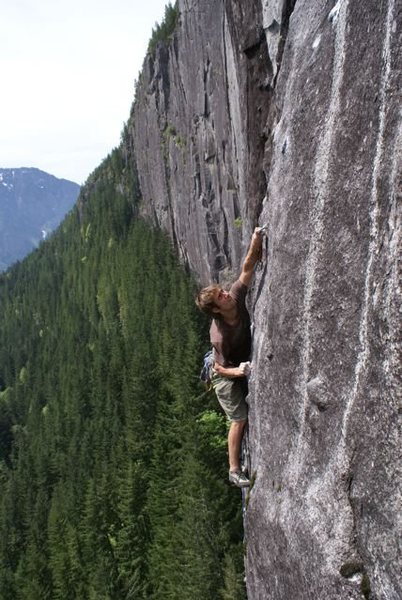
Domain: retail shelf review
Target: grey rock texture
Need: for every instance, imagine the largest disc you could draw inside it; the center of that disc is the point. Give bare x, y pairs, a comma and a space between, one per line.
299, 103
325, 401
199, 132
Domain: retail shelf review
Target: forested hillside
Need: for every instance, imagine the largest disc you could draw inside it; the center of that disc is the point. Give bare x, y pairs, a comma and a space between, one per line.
113, 459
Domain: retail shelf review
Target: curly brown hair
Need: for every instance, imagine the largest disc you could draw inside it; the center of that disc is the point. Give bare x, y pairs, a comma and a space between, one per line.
205, 299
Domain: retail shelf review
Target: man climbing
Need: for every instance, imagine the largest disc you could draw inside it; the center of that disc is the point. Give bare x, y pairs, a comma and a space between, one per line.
231, 341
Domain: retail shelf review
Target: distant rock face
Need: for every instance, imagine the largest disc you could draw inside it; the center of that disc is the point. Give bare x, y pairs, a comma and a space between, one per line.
297, 102
199, 132
32, 204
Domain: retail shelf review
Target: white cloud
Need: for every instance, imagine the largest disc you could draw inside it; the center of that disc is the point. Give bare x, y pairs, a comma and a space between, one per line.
67, 70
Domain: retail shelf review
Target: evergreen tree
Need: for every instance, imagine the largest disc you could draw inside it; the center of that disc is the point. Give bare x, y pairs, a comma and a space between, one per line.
112, 457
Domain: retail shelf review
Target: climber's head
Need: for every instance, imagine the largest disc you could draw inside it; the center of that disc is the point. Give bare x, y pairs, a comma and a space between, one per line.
213, 300
205, 299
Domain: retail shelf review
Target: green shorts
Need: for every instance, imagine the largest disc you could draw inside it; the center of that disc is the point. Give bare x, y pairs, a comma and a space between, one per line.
231, 394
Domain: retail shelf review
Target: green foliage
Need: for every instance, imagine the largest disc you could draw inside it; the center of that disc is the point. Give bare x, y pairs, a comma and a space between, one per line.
112, 459
213, 429
164, 31
169, 131
234, 586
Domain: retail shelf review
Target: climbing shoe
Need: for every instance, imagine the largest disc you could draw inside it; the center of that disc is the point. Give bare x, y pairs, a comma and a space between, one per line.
238, 479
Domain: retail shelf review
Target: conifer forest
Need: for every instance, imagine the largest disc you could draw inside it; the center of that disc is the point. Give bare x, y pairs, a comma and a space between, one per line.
112, 456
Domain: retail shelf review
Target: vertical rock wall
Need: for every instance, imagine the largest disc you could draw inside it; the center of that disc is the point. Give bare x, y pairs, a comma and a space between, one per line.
324, 514
297, 101
199, 132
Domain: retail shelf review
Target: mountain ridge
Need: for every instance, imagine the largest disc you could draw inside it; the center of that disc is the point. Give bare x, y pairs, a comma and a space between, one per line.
32, 205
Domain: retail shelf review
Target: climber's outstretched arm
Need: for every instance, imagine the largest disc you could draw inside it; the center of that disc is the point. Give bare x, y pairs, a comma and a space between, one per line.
253, 255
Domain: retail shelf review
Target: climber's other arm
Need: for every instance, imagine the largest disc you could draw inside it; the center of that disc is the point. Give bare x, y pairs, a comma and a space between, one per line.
242, 370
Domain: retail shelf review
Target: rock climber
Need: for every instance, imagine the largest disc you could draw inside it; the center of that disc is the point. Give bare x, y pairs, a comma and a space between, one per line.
230, 337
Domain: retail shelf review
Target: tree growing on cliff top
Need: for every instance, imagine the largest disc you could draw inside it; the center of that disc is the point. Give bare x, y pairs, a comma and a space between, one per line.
164, 31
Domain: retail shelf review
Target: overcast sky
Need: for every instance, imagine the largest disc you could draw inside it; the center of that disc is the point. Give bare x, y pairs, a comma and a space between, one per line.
67, 71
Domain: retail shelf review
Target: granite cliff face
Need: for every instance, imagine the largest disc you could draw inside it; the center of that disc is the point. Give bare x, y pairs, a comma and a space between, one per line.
200, 130
288, 112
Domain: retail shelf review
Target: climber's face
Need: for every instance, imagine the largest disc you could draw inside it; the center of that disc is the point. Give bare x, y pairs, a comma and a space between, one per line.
223, 300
